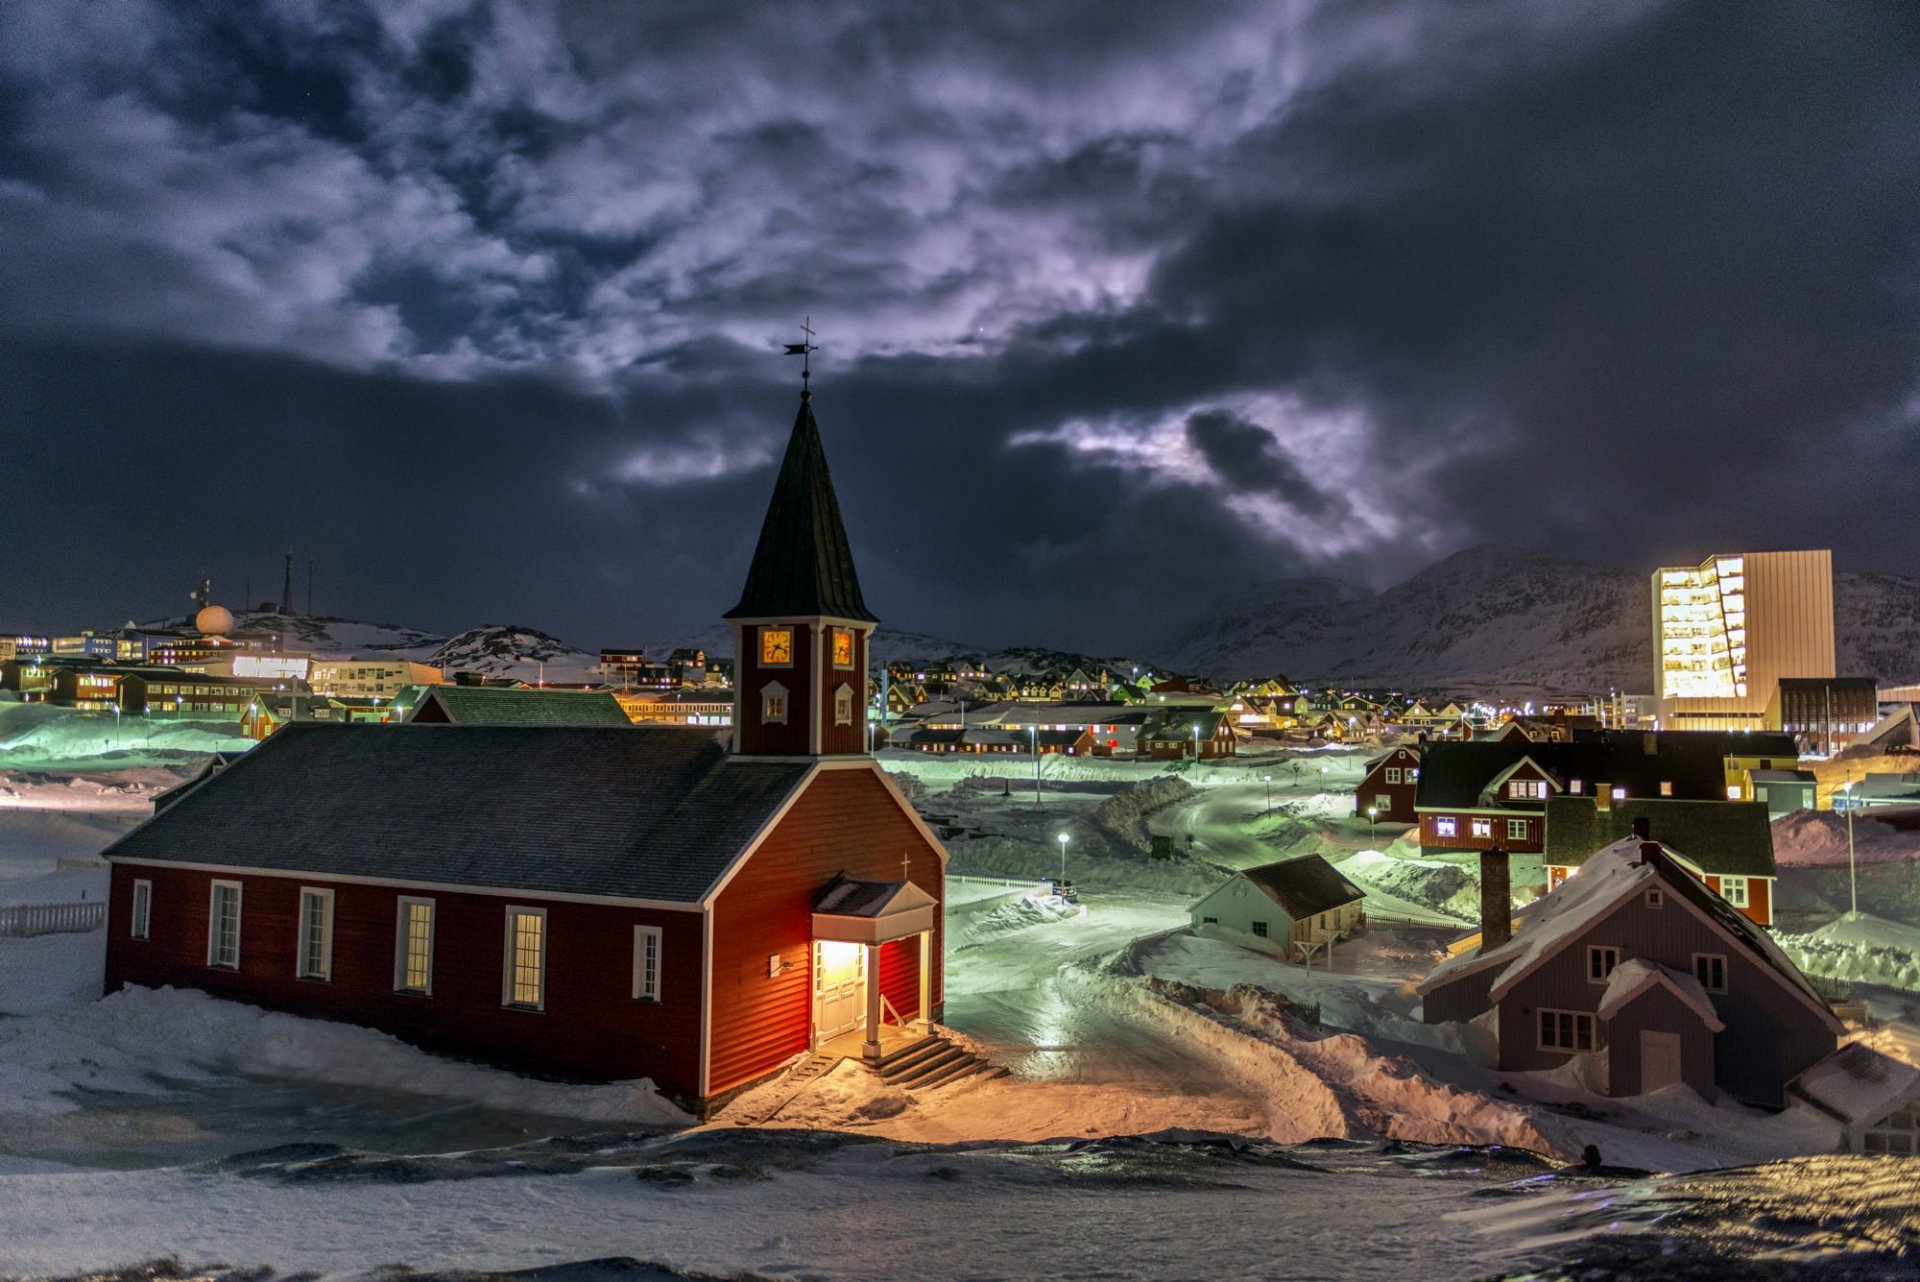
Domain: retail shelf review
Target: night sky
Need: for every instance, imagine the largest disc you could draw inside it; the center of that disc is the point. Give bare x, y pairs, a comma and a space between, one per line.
1121, 306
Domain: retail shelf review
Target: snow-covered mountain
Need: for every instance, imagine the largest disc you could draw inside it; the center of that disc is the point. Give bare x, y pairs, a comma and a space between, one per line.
501, 650
1496, 616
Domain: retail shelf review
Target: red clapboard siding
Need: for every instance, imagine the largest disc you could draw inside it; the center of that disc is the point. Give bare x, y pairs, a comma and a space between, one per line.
847, 821
591, 1027
900, 975
852, 737
790, 738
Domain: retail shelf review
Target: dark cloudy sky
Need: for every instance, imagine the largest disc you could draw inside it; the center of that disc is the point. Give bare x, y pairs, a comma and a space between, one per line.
1122, 304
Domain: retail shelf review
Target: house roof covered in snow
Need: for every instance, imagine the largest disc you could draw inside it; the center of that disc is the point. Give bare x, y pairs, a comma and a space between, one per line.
643, 814
1305, 886
505, 706
1610, 877
1631, 978
1858, 1084
1721, 838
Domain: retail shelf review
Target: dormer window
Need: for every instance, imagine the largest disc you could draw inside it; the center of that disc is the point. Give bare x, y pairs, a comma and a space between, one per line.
773, 704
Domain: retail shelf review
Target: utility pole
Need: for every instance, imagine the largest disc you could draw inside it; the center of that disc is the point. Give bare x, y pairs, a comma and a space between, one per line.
309, 587
1036, 764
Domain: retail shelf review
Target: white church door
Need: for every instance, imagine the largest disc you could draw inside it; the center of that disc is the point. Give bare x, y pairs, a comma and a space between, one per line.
839, 988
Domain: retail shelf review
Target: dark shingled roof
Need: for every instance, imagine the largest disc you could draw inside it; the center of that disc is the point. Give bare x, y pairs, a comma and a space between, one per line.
802, 565
646, 814
504, 706
1304, 886
1725, 838
1453, 775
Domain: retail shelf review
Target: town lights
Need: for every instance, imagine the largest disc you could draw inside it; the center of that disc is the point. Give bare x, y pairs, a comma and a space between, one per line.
1268, 781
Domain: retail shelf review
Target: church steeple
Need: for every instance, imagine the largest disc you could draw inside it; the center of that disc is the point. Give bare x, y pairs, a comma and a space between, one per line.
801, 628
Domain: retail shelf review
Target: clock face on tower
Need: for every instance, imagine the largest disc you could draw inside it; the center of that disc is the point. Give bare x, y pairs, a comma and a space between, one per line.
776, 645
842, 648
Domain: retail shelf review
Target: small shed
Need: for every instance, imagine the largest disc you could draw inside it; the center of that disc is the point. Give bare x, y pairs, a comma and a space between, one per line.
1281, 906
1874, 1097
1660, 1026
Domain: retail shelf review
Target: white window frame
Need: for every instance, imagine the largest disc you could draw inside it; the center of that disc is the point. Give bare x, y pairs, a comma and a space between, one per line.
645, 988
213, 923
324, 971
141, 927
1516, 830
400, 940
510, 955
770, 694
1697, 969
1656, 897
1578, 1017
1446, 826
1393, 774
843, 705
1736, 891
1480, 827
1597, 954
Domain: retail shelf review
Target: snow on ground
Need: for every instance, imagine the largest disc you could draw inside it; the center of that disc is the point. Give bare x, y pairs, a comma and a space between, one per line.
1864, 949
138, 1041
39, 736
1819, 838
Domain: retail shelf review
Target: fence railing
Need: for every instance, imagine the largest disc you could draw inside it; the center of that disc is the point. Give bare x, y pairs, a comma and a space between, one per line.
21, 920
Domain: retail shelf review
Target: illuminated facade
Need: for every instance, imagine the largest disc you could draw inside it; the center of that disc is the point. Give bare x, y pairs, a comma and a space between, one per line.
1725, 631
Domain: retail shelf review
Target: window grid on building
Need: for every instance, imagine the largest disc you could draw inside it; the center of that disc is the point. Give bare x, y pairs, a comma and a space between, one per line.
1894, 1133
526, 957
1711, 970
142, 909
1601, 959
316, 934
1516, 830
1566, 1030
223, 927
646, 963
414, 973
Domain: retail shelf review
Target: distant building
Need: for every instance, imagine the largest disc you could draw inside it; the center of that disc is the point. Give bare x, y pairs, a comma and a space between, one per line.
498, 706
370, 678
1824, 714
1727, 630
1388, 789
677, 707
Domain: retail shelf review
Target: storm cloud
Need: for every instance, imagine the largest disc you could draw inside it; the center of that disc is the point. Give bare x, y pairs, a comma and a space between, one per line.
1121, 306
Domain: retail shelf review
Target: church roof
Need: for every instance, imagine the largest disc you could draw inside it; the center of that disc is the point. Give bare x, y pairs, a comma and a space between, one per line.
590, 810
802, 566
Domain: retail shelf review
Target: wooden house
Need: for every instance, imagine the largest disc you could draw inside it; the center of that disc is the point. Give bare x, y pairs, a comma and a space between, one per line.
1726, 844
1283, 907
1637, 967
460, 705
593, 901
1387, 790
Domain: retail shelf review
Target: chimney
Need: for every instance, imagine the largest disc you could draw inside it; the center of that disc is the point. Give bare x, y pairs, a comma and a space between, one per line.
1642, 829
1603, 795
1496, 899
1649, 852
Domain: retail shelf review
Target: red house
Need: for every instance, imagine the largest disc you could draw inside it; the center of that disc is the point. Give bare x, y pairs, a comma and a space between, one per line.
596, 902
1389, 786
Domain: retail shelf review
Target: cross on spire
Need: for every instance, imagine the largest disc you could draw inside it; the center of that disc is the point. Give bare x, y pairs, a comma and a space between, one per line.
804, 349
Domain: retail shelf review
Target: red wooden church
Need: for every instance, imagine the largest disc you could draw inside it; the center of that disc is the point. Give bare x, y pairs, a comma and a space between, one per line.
597, 902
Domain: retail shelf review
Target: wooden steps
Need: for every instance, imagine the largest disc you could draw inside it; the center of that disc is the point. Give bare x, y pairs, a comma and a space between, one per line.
932, 1061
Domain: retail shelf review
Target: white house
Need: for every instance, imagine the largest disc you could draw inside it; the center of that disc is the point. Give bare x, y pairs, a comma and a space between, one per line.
1279, 907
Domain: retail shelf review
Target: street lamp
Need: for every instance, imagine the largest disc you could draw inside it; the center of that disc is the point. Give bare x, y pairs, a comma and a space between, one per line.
1853, 886
1268, 781
1036, 764
1196, 743
1063, 858
1373, 813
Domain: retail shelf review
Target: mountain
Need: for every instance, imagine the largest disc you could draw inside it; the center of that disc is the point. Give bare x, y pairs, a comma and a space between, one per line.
1495, 616
500, 650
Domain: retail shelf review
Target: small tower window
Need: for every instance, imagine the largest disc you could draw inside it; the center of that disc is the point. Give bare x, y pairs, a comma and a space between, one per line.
843, 706
773, 704
842, 648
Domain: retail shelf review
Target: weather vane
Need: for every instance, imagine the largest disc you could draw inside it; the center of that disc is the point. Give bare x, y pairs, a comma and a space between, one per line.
804, 350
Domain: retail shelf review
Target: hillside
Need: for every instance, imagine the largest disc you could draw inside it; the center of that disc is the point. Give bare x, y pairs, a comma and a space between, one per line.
1500, 616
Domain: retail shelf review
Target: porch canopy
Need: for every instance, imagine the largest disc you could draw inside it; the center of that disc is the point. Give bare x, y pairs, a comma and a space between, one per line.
854, 911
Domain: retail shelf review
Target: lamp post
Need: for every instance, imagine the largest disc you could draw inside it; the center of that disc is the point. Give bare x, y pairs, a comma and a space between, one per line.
1853, 886
1268, 781
1373, 813
1196, 743
1063, 858
1036, 764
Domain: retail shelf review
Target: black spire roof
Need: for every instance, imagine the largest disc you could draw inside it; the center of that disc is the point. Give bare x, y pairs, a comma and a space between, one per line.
803, 566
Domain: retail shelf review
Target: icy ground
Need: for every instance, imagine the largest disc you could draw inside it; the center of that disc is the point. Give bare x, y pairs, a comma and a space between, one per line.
169, 1124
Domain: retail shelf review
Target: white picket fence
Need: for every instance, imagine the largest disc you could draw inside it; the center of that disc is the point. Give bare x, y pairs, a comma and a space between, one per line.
21, 920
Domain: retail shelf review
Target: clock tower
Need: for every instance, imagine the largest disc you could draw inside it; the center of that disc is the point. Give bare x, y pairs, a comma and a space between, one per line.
801, 629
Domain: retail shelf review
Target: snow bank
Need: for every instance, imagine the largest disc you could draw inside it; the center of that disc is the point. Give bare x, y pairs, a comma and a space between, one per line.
1029, 910
41, 736
1865, 949
137, 1040
1449, 888
1811, 838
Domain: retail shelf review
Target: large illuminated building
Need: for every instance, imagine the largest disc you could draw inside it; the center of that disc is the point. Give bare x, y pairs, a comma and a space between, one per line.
1725, 631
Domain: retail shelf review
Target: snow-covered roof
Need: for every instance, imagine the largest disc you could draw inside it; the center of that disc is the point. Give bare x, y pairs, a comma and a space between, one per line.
1857, 1084
1637, 975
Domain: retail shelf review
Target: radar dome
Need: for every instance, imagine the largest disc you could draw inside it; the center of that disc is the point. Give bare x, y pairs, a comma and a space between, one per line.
213, 620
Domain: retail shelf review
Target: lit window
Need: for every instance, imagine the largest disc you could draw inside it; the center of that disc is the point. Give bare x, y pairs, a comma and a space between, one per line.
1733, 792
1711, 970
1445, 826
776, 646
1566, 1030
223, 926
646, 963
526, 958
1483, 827
1528, 789
316, 934
1601, 959
1619, 793
773, 704
1666, 787
413, 951
842, 648
142, 909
